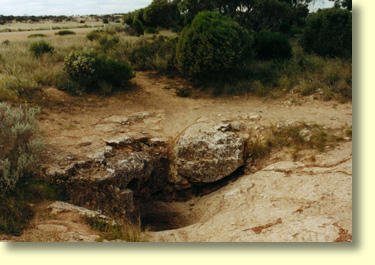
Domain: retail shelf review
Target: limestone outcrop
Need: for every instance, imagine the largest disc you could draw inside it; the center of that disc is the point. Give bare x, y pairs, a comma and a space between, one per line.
205, 153
127, 167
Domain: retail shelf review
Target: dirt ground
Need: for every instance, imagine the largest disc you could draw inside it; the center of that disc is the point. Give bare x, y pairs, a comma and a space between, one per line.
76, 126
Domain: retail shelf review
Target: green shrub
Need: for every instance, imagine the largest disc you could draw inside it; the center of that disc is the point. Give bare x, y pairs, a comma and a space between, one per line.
9, 88
151, 30
93, 35
20, 145
65, 32
37, 36
64, 82
40, 47
138, 27
212, 44
159, 55
142, 55
108, 43
270, 46
165, 59
80, 66
91, 71
16, 206
329, 33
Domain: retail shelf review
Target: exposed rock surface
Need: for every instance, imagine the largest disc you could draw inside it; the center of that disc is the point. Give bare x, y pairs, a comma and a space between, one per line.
207, 153
63, 207
284, 202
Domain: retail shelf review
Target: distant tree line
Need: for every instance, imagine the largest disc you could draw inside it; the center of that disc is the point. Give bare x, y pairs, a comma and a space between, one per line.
257, 15
55, 19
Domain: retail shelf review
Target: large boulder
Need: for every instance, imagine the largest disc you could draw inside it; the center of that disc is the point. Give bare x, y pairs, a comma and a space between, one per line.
207, 153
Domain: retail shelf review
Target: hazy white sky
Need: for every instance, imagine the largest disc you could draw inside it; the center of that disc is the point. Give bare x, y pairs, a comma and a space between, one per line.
80, 7
69, 7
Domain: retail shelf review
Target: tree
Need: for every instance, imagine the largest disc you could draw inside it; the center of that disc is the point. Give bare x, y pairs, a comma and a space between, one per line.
329, 33
272, 46
252, 14
162, 13
345, 4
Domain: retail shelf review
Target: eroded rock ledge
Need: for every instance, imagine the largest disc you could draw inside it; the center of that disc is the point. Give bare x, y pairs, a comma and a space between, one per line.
128, 168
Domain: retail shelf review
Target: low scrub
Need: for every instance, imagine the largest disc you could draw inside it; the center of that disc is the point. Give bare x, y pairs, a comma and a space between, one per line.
20, 151
151, 30
16, 206
159, 55
328, 32
93, 72
307, 74
20, 145
93, 35
37, 36
40, 47
272, 46
65, 32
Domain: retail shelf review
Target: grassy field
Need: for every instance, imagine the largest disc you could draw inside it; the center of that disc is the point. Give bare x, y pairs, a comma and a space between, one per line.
21, 72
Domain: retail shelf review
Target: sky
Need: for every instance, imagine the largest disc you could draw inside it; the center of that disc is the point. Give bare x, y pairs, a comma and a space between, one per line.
69, 7
81, 7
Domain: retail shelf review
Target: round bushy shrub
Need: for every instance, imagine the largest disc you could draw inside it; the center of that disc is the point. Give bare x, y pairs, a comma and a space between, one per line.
90, 70
329, 33
80, 66
270, 45
212, 44
39, 48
